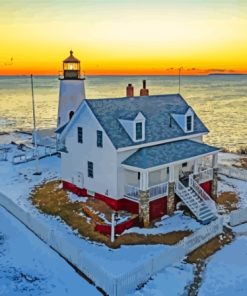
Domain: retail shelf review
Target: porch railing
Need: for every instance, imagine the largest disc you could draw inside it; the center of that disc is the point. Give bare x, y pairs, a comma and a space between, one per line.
204, 176
131, 191
158, 190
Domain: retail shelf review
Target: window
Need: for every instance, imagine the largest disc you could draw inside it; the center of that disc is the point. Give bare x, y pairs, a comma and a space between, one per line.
90, 169
184, 165
139, 131
189, 123
71, 113
79, 135
139, 176
99, 139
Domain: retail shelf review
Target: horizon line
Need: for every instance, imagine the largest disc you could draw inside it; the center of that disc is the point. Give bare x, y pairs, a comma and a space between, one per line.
141, 74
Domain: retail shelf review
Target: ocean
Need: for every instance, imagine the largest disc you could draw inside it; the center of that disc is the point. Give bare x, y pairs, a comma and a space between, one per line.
219, 100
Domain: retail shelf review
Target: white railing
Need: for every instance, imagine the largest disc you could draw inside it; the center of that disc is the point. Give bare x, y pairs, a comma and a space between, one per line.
204, 176
202, 194
131, 191
30, 155
238, 217
158, 190
188, 198
237, 173
154, 191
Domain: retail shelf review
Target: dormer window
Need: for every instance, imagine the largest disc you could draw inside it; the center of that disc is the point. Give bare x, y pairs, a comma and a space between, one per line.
189, 123
185, 121
135, 127
139, 135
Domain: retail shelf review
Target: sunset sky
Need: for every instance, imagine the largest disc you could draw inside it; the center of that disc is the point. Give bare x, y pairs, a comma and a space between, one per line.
124, 36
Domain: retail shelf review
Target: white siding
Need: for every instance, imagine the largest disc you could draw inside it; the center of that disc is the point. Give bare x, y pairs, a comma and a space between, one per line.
157, 177
71, 94
197, 139
121, 177
131, 178
104, 159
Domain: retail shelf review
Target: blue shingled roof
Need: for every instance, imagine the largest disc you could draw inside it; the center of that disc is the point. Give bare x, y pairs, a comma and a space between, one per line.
167, 153
157, 111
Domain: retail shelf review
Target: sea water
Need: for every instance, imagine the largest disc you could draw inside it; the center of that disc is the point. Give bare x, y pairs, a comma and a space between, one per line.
219, 100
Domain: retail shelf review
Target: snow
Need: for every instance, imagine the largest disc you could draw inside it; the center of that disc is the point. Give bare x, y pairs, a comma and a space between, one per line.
233, 185
22, 177
73, 197
226, 271
22, 272
228, 159
178, 222
169, 282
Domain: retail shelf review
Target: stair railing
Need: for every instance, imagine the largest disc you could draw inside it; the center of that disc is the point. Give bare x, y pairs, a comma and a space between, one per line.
188, 198
202, 194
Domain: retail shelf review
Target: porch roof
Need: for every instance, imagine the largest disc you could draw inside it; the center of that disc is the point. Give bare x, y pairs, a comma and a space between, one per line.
167, 153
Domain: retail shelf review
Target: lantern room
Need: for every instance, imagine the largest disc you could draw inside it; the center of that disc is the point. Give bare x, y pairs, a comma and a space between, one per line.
71, 67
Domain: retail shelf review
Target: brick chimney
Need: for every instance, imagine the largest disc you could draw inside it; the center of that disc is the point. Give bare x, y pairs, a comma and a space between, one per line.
130, 90
144, 91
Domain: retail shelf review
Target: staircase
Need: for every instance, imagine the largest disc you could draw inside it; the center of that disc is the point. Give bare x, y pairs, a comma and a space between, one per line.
197, 200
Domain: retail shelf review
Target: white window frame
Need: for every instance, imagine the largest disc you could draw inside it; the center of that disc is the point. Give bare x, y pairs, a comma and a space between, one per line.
139, 119
189, 113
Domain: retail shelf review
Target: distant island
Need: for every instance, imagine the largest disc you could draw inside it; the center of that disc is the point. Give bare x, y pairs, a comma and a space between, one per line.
211, 74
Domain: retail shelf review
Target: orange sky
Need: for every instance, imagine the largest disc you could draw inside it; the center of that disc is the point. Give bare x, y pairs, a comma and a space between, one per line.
124, 37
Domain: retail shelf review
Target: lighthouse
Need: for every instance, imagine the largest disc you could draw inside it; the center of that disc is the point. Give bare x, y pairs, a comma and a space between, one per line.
72, 89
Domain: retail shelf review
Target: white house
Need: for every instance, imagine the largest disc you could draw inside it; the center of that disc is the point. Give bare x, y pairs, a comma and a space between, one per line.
142, 154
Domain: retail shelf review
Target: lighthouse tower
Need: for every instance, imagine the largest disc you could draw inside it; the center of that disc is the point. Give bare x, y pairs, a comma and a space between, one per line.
72, 90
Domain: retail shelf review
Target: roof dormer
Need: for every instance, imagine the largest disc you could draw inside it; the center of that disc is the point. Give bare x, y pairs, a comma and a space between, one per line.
185, 121
135, 128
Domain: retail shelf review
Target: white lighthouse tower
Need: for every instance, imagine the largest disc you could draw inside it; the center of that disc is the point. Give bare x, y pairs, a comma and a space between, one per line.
72, 90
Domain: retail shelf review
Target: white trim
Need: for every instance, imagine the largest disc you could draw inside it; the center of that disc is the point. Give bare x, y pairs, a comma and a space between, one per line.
131, 168
187, 137
129, 198
192, 123
162, 166
143, 131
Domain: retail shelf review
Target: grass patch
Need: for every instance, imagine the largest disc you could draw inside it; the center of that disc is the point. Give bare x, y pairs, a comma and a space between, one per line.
228, 201
52, 200
212, 246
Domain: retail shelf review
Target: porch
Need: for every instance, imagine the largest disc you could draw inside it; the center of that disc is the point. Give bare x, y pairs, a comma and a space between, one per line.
180, 168
156, 182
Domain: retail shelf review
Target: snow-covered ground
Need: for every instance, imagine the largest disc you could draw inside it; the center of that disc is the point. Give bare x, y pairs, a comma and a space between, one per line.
22, 177
229, 159
233, 185
226, 271
178, 222
169, 282
29, 267
16, 181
